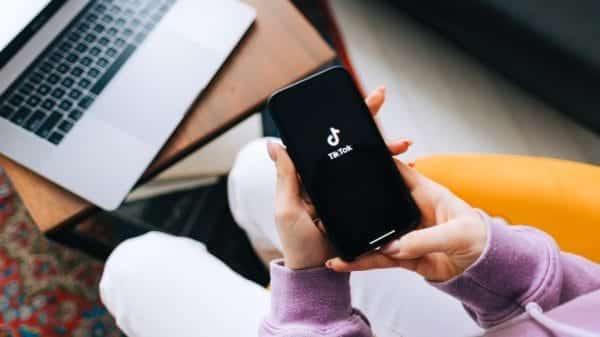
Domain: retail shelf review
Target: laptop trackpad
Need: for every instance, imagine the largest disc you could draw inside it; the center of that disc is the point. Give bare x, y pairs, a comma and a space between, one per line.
151, 93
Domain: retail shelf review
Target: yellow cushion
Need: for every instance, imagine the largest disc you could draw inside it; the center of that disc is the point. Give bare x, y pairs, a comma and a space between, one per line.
559, 197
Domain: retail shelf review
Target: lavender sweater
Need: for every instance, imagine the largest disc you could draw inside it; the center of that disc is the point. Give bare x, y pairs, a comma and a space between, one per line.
519, 265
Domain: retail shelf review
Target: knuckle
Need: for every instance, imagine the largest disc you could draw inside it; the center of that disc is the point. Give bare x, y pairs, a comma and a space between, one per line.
380, 262
475, 227
285, 216
284, 171
464, 226
409, 239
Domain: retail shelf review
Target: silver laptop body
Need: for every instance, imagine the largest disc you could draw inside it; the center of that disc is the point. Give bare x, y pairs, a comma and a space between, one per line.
96, 139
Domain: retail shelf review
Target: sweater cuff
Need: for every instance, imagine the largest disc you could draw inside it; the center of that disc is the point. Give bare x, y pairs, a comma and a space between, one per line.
515, 265
311, 296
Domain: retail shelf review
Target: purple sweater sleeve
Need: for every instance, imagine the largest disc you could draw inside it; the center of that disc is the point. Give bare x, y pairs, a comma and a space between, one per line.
520, 265
312, 302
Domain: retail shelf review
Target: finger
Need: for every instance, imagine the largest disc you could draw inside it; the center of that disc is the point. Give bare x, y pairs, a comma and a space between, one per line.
320, 227
397, 147
308, 204
371, 261
410, 175
374, 260
418, 243
310, 209
288, 186
375, 100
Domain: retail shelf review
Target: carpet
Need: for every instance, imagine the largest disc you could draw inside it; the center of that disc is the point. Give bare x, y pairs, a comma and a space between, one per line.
45, 289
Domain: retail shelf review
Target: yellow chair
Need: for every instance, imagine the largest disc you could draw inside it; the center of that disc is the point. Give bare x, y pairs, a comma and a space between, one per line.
559, 197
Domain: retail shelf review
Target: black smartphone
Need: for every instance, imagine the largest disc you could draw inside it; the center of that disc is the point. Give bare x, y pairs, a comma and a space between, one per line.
343, 162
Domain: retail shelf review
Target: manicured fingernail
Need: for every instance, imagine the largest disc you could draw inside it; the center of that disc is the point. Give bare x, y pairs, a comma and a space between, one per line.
391, 248
271, 150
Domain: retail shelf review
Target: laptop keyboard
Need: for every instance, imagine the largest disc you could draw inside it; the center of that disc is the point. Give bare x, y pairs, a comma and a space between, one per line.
63, 82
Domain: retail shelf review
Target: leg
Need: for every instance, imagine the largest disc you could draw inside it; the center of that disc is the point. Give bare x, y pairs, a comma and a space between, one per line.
161, 285
397, 302
401, 303
251, 192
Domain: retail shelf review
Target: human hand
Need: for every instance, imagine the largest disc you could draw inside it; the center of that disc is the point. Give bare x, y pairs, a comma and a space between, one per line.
450, 238
302, 236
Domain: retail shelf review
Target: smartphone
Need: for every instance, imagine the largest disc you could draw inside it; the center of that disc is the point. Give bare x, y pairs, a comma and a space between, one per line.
343, 162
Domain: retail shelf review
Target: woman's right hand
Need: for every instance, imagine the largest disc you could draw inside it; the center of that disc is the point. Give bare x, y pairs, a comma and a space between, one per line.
450, 238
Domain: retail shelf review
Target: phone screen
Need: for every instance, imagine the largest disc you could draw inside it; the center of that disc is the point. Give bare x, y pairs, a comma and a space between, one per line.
343, 162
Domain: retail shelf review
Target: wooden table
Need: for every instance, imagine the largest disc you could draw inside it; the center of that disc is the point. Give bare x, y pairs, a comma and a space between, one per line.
280, 48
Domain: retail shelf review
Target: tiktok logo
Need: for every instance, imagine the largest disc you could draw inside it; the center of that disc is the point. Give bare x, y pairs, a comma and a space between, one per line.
333, 139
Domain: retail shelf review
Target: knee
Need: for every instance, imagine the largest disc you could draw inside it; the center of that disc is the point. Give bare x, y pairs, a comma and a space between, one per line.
251, 180
120, 267
137, 263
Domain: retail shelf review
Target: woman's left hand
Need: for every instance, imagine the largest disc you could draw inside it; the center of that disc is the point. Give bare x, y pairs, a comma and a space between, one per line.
302, 236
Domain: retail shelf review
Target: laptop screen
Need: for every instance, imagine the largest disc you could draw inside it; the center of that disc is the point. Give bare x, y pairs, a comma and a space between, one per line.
19, 20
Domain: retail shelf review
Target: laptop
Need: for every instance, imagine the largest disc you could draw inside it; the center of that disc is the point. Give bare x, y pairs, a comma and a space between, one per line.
90, 90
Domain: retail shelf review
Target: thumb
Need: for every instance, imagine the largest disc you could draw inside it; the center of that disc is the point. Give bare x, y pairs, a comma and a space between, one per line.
412, 178
287, 188
437, 239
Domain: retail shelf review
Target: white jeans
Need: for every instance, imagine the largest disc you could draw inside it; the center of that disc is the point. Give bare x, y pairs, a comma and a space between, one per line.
161, 285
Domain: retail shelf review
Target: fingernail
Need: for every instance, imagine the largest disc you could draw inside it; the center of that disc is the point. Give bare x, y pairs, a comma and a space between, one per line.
382, 89
391, 248
329, 264
409, 142
271, 150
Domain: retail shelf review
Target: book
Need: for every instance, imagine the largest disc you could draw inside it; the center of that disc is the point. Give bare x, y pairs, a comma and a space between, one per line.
204, 166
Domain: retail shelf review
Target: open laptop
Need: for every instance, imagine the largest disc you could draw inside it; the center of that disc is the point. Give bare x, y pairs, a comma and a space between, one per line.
90, 90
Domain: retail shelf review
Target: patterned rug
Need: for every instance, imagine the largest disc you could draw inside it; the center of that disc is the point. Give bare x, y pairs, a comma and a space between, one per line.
45, 289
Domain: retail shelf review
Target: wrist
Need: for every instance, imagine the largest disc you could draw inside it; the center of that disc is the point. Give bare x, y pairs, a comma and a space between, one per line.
308, 256
303, 261
316, 295
510, 250
477, 235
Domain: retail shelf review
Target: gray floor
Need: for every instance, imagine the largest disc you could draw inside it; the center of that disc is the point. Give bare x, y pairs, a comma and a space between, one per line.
445, 100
